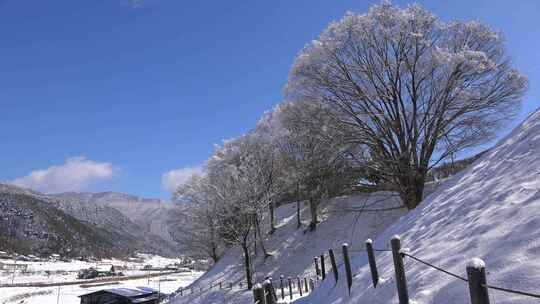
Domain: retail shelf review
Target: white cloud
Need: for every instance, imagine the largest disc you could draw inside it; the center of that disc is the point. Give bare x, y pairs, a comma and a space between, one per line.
76, 174
174, 178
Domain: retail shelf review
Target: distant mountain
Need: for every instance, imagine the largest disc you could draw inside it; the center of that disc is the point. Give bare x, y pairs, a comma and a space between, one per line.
123, 222
31, 225
146, 219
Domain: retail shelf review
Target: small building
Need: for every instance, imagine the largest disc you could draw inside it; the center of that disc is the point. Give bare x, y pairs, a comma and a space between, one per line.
4, 255
138, 295
13, 266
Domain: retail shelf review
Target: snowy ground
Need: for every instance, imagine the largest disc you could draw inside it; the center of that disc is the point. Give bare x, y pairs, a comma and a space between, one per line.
64, 272
491, 211
293, 250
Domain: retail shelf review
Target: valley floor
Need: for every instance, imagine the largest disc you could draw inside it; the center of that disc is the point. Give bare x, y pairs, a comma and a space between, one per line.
48, 272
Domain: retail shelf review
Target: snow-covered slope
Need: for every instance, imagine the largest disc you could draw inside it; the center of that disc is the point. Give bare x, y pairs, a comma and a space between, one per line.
491, 210
293, 249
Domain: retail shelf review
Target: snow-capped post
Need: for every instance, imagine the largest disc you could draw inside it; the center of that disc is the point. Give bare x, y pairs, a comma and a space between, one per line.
268, 291
306, 285
299, 285
311, 284
317, 270
290, 288
401, 281
476, 273
334, 265
181, 291
258, 294
274, 293
347, 261
281, 286
323, 270
220, 285
372, 263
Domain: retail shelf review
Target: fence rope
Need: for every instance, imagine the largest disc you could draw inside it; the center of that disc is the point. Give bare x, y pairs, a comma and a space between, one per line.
523, 293
435, 267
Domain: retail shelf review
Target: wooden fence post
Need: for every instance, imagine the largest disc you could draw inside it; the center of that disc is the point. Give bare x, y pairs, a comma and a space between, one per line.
401, 281
220, 285
323, 267
311, 285
269, 292
317, 270
476, 273
282, 287
299, 285
306, 285
290, 288
372, 263
181, 291
348, 270
334, 265
258, 294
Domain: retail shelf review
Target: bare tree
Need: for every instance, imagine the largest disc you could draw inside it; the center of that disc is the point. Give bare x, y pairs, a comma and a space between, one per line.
313, 152
241, 173
198, 226
409, 89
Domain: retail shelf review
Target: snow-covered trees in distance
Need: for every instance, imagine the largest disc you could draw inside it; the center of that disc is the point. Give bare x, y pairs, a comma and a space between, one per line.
410, 89
376, 102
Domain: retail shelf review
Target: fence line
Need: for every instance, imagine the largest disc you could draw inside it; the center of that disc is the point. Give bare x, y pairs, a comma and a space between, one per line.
476, 275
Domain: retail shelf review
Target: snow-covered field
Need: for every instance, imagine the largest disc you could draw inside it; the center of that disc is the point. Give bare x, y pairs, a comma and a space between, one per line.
67, 272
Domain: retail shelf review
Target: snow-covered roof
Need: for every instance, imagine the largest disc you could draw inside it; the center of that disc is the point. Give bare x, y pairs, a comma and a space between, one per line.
127, 292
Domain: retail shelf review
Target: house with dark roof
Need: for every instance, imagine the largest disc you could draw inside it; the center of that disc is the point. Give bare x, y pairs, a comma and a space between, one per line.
138, 295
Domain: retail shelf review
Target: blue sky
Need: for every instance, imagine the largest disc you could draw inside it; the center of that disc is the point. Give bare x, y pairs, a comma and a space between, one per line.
112, 94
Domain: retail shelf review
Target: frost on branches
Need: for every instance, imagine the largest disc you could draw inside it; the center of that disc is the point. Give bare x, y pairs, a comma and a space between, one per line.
409, 89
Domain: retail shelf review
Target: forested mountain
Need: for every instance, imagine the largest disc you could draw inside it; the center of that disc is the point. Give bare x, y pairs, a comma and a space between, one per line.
109, 223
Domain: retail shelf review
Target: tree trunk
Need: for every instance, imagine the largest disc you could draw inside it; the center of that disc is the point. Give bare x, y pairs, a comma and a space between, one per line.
213, 245
272, 218
298, 221
313, 209
261, 240
412, 189
214, 255
247, 264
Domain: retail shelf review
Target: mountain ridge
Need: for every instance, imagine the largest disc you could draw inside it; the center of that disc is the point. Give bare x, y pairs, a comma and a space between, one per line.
127, 221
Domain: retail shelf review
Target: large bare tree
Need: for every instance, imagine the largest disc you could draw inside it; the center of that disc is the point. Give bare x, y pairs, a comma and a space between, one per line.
409, 89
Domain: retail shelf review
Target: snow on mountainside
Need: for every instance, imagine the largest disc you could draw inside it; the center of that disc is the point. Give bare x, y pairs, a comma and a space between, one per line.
293, 249
128, 222
148, 218
491, 211
30, 225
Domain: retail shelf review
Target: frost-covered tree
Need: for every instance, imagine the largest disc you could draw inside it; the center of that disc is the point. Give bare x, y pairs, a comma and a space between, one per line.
241, 172
313, 152
197, 226
410, 89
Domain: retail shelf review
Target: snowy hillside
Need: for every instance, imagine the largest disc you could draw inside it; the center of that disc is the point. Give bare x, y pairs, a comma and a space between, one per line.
491, 211
293, 250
